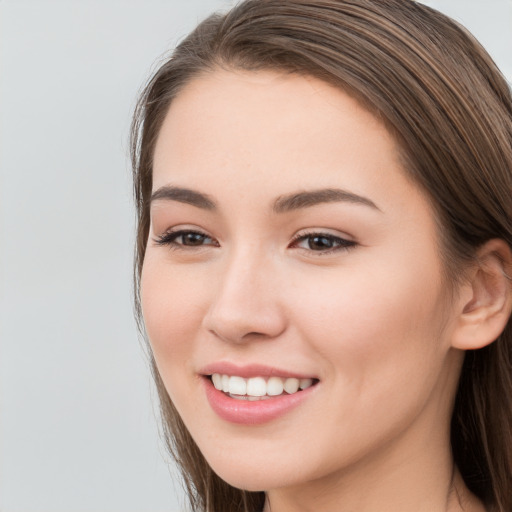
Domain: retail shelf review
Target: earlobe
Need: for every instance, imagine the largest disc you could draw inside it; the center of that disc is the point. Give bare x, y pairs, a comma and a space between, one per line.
487, 305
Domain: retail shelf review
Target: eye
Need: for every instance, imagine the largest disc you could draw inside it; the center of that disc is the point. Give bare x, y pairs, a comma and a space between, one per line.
185, 238
323, 243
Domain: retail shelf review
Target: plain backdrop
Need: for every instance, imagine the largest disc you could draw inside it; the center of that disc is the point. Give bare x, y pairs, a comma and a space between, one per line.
78, 416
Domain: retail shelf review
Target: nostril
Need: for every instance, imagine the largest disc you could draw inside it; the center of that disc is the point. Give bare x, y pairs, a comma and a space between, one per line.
244, 316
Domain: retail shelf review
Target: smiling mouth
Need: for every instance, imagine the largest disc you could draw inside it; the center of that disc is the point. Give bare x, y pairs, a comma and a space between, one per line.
259, 388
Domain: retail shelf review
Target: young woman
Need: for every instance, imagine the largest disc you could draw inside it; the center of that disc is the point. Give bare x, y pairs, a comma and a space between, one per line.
324, 195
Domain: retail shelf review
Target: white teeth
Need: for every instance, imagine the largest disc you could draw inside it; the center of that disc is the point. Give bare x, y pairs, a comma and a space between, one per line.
225, 383
275, 386
291, 385
257, 387
217, 380
305, 383
237, 386
250, 398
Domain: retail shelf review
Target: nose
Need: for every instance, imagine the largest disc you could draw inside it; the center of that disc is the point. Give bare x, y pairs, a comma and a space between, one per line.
246, 304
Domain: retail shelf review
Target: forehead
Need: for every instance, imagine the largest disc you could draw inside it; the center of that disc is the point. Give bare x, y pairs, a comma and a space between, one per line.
267, 132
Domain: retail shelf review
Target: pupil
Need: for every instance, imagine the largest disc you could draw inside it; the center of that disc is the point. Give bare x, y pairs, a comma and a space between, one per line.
320, 242
193, 239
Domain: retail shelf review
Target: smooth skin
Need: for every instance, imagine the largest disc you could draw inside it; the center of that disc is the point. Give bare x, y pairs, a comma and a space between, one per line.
348, 289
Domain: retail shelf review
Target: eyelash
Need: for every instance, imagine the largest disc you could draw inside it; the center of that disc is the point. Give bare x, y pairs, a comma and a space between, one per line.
169, 239
340, 244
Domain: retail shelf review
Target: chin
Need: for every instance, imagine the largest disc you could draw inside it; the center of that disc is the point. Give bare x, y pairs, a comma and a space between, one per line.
260, 471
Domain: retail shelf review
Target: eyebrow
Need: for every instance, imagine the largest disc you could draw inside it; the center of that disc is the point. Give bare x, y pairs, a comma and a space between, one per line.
184, 195
282, 204
314, 197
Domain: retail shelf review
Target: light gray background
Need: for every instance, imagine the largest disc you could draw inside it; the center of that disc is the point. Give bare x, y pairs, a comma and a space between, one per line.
77, 426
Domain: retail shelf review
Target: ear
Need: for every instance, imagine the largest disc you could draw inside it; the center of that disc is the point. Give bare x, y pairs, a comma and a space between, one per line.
486, 298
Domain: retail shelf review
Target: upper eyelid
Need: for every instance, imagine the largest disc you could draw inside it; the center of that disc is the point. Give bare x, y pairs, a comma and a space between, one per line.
184, 229
325, 232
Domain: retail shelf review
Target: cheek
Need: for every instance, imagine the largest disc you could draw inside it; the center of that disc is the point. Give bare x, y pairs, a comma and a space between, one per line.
374, 323
172, 311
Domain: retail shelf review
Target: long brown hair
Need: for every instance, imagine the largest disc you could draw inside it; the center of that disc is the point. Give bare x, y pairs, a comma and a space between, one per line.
450, 110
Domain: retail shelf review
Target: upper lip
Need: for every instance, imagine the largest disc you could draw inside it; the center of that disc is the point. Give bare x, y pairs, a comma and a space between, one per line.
250, 370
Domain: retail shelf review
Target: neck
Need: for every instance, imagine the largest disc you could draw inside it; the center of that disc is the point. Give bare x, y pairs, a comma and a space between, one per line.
456, 499
421, 481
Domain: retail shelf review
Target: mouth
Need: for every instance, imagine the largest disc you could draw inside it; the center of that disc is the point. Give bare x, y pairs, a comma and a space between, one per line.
256, 399
259, 388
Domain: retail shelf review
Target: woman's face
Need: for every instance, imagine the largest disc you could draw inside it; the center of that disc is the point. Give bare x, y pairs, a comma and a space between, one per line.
288, 247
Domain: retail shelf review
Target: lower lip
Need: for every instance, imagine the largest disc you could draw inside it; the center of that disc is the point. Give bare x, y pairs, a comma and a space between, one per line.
245, 412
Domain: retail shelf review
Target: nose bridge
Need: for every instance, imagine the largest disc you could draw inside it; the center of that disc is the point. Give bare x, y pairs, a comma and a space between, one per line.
246, 301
